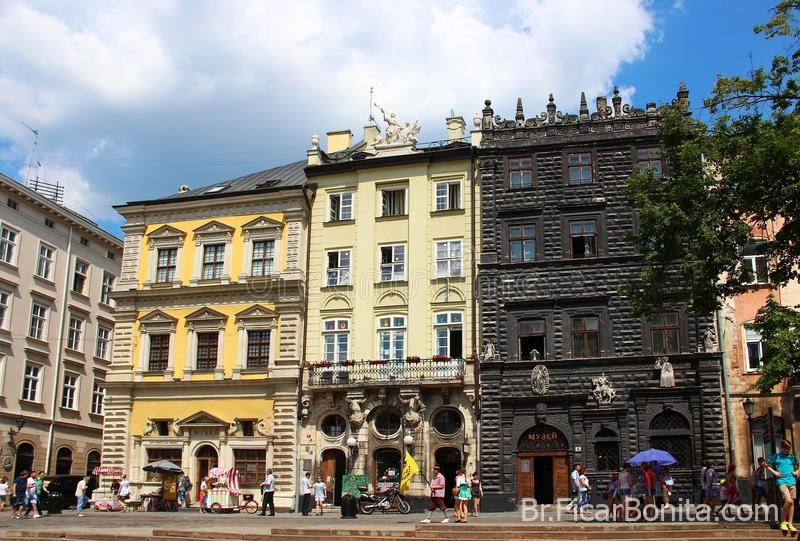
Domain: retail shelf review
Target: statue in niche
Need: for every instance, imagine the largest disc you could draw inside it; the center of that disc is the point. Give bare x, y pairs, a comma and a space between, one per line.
710, 340
489, 352
667, 374
540, 379
413, 415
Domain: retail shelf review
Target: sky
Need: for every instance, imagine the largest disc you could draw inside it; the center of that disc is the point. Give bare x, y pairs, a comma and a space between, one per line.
132, 99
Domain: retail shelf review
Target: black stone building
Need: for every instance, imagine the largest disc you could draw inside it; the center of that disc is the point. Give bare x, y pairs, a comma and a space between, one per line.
569, 374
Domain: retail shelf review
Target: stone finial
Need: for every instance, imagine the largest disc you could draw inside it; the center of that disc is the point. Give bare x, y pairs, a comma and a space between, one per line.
488, 112
602, 107
315, 142
476, 121
584, 108
683, 97
520, 116
616, 102
551, 110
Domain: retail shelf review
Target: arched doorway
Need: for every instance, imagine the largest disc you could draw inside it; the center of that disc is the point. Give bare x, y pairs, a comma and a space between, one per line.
206, 459
542, 466
92, 461
332, 471
24, 459
670, 431
449, 460
64, 461
386, 461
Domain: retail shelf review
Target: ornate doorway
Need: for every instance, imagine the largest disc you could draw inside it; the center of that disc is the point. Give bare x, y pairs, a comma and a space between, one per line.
449, 460
542, 465
206, 459
333, 467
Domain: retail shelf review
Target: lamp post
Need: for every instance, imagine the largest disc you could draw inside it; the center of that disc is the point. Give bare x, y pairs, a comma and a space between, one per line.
352, 444
408, 441
12, 434
749, 408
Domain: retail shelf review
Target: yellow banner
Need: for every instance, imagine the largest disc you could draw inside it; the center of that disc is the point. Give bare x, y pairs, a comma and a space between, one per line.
410, 469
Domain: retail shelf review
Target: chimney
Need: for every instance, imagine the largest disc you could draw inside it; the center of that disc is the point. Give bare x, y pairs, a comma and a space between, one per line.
339, 140
456, 127
371, 133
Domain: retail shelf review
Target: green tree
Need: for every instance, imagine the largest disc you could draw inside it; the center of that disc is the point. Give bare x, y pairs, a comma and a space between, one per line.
780, 328
740, 172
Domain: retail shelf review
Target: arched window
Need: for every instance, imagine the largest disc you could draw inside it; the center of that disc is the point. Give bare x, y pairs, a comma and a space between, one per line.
64, 461
606, 450
92, 461
24, 458
333, 425
669, 431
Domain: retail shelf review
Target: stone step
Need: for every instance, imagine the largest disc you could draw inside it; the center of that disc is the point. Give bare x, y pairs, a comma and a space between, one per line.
430, 536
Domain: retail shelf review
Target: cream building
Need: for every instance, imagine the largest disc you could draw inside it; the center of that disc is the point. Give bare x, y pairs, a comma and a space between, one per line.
210, 317
391, 337
57, 270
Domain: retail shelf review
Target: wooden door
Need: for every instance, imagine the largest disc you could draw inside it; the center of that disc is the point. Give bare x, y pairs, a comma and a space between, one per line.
206, 459
560, 477
524, 477
328, 472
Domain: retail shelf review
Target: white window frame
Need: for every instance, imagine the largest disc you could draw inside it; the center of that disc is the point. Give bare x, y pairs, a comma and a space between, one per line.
342, 275
261, 229
394, 277
156, 323
107, 342
449, 260
213, 265
269, 249
342, 216
48, 262
442, 201
335, 333
164, 237
45, 320
200, 323
447, 325
750, 262
3, 366
5, 316
70, 392
107, 287
209, 234
7, 244
39, 378
86, 284
76, 333
98, 390
253, 318
392, 331
384, 189
746, 342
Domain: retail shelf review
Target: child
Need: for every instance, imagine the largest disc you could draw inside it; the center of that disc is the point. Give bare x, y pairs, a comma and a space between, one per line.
320, 488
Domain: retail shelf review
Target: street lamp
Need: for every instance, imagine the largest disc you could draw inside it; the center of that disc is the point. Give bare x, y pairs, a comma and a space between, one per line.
352, 444
749, 408
12, 434
408, 441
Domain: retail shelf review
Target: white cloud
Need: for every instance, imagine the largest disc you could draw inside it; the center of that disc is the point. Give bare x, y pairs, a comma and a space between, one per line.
133, 99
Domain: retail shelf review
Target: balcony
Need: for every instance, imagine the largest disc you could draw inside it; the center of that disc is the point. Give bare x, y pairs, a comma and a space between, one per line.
378, 373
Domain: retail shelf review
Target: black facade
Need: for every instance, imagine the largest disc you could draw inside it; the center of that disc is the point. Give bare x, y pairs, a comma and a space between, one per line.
555, 255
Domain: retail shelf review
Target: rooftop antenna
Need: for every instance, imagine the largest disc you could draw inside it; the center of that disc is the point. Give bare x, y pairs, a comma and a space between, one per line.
452, 112
33, 152
371, 118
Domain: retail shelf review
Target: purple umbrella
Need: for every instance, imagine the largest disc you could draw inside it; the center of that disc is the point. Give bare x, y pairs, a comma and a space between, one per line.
662, 458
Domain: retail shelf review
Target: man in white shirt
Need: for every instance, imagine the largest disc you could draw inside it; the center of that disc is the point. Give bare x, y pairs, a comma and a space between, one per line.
306, 491
268, 497
574, 486
80, 493
31, 493
625, 480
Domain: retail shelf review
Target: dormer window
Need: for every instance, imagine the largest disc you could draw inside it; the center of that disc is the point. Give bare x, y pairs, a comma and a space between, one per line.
217, 189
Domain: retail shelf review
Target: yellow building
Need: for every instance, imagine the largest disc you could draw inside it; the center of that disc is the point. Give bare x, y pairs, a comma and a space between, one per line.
391, 334
208, 343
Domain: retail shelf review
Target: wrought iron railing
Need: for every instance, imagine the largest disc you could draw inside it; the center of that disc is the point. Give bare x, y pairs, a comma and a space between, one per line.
444, 144
365, 373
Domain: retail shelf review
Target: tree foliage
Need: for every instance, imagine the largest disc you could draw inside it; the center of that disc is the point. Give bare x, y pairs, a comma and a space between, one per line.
780, 328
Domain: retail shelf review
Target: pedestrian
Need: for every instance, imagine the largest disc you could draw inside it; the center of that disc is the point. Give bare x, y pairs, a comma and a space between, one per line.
710, 486
667, 482
20, 501
203, 494
124, 488
785, 468
734, 496
437, 485
306, 491
3, 492
758, 482
80, 493
612, 495
320, 490
33, 494
462, 496
268, 494
649, 485
584, 489
477, 493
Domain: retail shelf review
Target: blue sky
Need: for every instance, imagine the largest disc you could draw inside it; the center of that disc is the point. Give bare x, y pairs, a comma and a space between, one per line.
135, 99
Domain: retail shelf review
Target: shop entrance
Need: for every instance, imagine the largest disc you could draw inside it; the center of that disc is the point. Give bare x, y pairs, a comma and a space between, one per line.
206, 459
333, 466
542, 465
449, 460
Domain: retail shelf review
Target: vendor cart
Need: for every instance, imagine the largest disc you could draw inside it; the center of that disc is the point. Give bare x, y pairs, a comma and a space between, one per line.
113, 503
225, 496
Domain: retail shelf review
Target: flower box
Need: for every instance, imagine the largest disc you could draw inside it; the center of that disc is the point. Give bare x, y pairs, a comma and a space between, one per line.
440, 358
413, 359
347, 363
378, 362
324, 364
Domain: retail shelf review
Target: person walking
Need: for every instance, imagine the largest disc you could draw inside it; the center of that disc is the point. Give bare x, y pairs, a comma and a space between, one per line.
462, 497
437, 485
734, 496
785, 468
268, 494
612, 495
20, 501
667, 482
710, 486
477, 493
80, 493
125, 489
758, 482
573, 487
3, 493
33, 494
306, 491
320, 490
584, 488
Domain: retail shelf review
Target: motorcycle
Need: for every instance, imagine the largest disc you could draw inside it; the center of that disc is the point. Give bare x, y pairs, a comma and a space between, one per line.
368, 503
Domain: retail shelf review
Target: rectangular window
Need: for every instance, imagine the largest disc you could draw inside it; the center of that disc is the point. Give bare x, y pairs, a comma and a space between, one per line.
664, 330
251, 465
335, 340
69, 391
580, 168
174, 455
80, 275
755, 349
213, 261
5, 300
8, 244
393, 263
38, 321
159, 353
263, 258
44, 265
84, 242
341, 206
110, 255
650, 158
338, 272
30, 385
583, 238
532, 335
449, 334
520, 173
75, 334
103, 345
755, 269
207, 350
12, 204
49, 223
248, 428
98, 397
448, 258
106, 288
394, 202
392, 338
585, 336
258, 349
522, 243
448, 195
166, 265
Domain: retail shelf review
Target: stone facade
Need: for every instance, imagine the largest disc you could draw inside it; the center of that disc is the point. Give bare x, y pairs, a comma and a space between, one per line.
555, 256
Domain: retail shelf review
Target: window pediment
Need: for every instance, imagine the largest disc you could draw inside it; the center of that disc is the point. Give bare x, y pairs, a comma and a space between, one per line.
256, 316
166, 235
157, 321
263, 228
213, 231
206, 314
